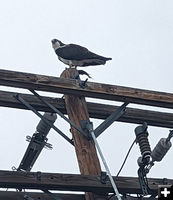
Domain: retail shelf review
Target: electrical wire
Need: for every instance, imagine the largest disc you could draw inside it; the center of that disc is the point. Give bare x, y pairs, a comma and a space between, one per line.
126, 158
117, 194
123, 165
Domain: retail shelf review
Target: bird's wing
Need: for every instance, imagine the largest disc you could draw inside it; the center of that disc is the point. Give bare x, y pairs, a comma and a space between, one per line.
71, 52
75, 52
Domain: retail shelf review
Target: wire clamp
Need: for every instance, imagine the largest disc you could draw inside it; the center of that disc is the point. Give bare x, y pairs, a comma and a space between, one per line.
85, 126
46, 145
103, 177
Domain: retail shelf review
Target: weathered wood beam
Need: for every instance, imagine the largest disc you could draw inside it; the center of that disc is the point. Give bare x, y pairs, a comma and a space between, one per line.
95, 90
71, 182
96, 110
7, 100
9, 195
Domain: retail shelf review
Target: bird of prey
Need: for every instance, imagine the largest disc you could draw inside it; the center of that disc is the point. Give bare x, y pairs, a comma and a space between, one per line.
77, 56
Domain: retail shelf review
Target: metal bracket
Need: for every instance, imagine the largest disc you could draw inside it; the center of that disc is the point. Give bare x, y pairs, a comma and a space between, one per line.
84, 125
20, 99
103, 177
46, 145
59, 113
38, 176
109, 120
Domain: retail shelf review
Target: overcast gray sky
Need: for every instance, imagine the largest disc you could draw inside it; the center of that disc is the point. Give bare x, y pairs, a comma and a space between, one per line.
137, 34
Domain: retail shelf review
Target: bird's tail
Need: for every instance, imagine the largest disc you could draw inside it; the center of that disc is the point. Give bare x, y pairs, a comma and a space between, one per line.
82, 72
108, 59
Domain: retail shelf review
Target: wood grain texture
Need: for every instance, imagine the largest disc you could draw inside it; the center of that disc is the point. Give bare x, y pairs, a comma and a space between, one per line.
8, 195
95, 90
73, 182
85, 149
96, 110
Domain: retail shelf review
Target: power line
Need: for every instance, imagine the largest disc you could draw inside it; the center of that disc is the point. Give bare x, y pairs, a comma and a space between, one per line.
126, 158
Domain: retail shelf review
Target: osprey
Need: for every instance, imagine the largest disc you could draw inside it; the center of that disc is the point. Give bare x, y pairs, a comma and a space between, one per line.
75, 55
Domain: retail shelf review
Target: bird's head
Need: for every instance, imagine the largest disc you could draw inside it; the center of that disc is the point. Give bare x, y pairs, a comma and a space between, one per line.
56, 44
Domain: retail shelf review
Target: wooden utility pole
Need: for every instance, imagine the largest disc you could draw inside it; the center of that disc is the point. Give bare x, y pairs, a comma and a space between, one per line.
76, 108
85, 149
